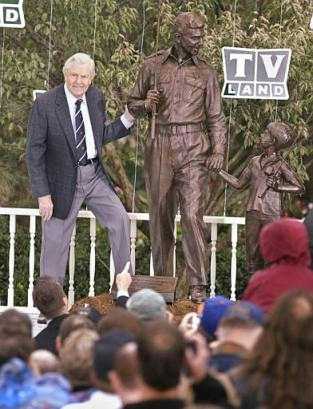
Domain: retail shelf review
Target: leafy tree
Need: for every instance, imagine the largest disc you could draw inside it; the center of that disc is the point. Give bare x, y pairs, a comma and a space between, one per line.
121, 27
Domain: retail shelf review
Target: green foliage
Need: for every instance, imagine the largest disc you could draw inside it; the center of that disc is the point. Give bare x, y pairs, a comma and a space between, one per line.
121, 28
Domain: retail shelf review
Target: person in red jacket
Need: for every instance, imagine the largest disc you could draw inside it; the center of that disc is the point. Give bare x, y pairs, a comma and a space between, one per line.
284, 245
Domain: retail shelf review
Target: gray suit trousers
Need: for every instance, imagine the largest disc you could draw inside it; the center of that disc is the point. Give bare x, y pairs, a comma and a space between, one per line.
93, 189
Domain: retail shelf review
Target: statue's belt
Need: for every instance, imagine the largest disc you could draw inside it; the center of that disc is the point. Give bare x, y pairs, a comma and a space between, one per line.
170, 129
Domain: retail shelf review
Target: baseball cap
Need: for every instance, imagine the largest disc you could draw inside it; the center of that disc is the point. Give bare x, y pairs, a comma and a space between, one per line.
213, 310
246, 312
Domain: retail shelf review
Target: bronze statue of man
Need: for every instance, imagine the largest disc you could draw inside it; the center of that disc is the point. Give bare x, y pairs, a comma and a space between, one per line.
189, 139
267, 176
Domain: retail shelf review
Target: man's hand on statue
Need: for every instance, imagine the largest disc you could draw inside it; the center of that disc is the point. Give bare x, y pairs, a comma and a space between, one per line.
45, 207
215, 162
152, 100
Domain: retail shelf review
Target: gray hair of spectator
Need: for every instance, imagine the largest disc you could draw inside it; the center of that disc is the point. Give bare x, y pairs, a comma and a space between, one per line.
80, 59
148, 305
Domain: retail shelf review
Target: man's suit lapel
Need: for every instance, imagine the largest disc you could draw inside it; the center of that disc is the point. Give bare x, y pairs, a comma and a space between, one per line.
63, 113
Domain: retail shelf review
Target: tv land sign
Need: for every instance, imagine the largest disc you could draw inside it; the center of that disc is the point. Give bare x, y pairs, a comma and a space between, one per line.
11, 14
255, 73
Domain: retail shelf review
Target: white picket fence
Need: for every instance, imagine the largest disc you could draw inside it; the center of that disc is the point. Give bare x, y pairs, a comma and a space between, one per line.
232, 222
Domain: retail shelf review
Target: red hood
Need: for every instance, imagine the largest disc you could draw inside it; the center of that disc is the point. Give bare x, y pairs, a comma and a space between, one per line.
285, 240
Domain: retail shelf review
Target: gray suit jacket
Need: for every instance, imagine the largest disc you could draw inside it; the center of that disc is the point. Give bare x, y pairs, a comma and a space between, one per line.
51, 154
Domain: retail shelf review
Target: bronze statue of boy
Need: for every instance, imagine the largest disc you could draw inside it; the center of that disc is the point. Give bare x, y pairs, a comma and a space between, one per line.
267, 176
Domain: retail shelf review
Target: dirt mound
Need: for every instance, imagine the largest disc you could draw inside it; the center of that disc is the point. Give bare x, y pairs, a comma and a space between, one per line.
104, 303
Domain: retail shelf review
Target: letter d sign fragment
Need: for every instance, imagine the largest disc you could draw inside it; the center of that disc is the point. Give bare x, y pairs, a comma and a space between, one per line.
12, 14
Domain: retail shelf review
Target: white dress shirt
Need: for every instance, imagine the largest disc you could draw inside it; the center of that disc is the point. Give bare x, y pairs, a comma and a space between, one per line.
90, 140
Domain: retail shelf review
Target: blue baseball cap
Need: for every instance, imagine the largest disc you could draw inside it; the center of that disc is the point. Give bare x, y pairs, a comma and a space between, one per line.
246, 312
213, 311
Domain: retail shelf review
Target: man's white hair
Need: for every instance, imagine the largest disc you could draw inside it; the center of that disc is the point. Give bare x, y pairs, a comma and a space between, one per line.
80, 59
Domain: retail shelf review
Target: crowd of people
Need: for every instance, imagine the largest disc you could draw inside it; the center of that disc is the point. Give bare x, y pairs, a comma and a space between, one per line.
252, 353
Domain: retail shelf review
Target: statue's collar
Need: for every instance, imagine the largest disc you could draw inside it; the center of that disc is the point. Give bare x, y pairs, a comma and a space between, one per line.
170, 52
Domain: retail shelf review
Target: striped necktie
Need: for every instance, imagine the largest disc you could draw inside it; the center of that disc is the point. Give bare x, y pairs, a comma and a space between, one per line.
80, 136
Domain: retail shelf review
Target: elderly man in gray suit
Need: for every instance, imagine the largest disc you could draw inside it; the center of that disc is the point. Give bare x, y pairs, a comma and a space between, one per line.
66, 132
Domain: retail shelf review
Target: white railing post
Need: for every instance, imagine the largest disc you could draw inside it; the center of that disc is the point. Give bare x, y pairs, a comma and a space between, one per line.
151, 265
133, 237
213, 259
234, 239
92, 261
112, 270
174, 252
71, 269
32, 233
11, 260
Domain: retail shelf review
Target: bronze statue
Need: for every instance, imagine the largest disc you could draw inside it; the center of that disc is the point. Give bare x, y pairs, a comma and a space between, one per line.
266, 176
189, 138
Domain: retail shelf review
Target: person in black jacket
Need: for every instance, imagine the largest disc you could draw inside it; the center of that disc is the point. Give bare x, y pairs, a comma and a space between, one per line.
51, 301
